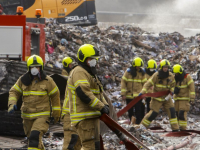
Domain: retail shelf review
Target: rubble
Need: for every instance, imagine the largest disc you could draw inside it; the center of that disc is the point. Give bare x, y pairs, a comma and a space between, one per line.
118, 45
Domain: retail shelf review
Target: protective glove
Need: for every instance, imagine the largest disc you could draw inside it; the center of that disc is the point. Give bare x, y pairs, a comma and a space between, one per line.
168, 97
12, 108
192, 101
105, 110
140, 94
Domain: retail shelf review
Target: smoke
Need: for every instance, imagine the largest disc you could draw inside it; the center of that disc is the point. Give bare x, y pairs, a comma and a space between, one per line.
157, 15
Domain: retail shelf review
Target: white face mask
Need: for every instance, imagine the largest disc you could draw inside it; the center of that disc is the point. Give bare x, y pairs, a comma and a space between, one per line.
151, 70
92, 62
34, 71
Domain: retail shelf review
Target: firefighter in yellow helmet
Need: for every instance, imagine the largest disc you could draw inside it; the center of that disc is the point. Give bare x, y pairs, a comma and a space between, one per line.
67, 66
131, 85
36, 89
161, 81
150, 70
184, 93
86, 98
71, 138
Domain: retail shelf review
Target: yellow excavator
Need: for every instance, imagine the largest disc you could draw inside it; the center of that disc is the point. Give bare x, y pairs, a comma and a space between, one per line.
77, 12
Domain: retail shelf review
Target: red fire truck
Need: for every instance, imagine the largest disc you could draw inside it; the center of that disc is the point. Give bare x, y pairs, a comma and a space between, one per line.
21, 37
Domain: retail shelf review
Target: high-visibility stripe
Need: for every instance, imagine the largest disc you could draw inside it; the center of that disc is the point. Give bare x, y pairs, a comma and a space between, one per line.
144, 80
33, 148
123, 90
31, 115
65, 109
53, 91
173, 81
161, 86
144, 90
159, 99
172, 89
146, 122
74, 101
190, 82
192, 93
71, 87
56, 108
94, 102
12, 98
96, 91
27, 93
65, 75
129, 96
150, 80
182, 86
18, 88
182, 123
135, 95
124, 78
81, 81
181, 98
173, 121
76, 120
75, 115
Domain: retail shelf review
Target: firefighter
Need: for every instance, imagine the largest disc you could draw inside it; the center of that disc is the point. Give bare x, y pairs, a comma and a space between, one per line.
71, 138
184, 93
131, 85
67, 66
86, 99
161, 81
150, 70
38, 91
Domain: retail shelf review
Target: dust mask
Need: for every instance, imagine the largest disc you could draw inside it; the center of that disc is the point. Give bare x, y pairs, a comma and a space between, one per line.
92, 63
151, 70
34, 71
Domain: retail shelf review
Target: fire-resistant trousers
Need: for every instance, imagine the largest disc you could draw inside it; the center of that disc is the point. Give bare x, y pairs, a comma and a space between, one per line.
155, 107
89, 133
182, 107
71, 138
34, 130
139, 111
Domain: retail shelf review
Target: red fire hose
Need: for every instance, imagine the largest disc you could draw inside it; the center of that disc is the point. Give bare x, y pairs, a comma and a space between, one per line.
137, 99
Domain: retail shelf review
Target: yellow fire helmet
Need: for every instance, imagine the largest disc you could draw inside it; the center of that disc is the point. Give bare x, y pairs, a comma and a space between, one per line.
177, 69
86, 51
137, 62
35, 60
164, 62
66, 61
151, 64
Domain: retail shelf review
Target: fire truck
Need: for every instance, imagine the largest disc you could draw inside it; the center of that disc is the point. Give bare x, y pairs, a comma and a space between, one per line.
21, 37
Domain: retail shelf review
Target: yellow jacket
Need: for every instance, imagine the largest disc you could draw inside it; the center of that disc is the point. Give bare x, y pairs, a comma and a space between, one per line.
187, 89
85, 95
159, 85
131, 87
36, 98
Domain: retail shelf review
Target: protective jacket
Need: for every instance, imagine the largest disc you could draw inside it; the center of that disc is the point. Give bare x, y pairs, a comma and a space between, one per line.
186, 89
85, 95
131, 86
36, 98
159, 84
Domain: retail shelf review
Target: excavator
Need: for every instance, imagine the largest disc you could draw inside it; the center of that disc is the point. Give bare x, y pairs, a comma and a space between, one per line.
76, 12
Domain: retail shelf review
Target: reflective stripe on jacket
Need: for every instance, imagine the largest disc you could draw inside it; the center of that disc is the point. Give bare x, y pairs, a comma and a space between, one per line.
187, 89
131, 87
36, 97
159, 85
90, 100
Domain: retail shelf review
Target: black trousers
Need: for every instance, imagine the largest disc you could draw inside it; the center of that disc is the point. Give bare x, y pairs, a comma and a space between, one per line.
148, 99
139, 111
